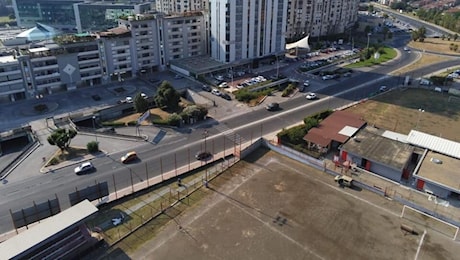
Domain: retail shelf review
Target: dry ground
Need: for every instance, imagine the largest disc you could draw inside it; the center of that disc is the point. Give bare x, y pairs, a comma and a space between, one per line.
154, 113
276, 208
398, 111
435, 45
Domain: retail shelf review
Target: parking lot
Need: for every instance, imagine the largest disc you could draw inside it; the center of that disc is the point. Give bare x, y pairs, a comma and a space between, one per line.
270, 207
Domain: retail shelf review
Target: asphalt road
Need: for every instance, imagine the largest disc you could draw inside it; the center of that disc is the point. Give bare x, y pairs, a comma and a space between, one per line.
254, 124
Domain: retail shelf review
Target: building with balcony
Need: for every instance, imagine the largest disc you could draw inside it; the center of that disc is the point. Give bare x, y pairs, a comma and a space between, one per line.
320, 18
241, 30
180, 6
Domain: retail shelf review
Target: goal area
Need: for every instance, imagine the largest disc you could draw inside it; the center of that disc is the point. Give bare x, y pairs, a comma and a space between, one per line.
421, 219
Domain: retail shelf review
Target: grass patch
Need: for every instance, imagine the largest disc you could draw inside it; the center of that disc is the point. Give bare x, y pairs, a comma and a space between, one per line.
389, 54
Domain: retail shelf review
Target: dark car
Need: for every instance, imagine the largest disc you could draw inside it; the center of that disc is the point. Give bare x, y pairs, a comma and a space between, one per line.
273, 106
96, 97
206, 88
203, 156
226, 96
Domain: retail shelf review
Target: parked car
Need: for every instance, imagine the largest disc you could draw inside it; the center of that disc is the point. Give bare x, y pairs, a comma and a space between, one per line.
206, 88
426, 82
219, 77
306, 83
225, 96
177, 76
144, 96
129, 157
327, 77
223, 85
216, 92
273, 106
84, 168
96, 97
311, 96
203, 156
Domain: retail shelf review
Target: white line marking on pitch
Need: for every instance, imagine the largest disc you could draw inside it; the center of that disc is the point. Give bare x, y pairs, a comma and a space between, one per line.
420, 244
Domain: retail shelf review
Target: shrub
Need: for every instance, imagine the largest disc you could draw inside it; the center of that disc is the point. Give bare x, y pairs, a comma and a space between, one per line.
132, 123
288, 91
113, 124
92, 147
53, 161
174, 119
293, 135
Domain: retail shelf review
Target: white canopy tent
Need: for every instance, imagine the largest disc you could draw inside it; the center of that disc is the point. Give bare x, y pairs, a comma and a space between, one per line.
302, 43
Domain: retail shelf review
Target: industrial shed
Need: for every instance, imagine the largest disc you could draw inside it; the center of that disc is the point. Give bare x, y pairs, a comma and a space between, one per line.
438, 170
372, 150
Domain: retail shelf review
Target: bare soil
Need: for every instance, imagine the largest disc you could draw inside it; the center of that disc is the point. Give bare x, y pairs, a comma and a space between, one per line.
276, 208
435, 45
154, 114
398, 111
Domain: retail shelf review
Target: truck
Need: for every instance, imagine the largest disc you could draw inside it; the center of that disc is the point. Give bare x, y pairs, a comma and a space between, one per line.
343, 181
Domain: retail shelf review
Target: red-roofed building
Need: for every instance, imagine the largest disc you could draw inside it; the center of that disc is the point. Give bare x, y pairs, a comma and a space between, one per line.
333, 131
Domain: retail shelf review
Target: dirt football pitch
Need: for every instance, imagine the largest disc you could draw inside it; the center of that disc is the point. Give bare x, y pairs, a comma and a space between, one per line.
271, 207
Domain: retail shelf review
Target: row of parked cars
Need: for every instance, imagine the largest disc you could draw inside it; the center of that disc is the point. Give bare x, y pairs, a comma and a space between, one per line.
216, 92
252, 81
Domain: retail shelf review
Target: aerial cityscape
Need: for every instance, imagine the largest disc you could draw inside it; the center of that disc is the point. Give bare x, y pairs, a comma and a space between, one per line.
229, 129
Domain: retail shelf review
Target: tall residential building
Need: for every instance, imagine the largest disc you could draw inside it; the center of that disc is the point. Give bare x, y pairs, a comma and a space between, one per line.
320, 18
180, 6
247, 29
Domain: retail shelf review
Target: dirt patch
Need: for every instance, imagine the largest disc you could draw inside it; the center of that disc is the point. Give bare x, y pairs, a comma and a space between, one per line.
155, 113
71, 154
435, 45
398, 111
276, 208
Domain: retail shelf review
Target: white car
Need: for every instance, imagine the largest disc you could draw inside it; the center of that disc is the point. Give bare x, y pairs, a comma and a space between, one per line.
129, 100
144, 96
216, 92
84, 168
223, 85
326, 77
383, 88
311, 96
406, 49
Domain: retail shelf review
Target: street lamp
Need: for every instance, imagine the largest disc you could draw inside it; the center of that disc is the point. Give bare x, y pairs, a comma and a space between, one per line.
368, 38
205, 135
277, 67
420, 111
94, 127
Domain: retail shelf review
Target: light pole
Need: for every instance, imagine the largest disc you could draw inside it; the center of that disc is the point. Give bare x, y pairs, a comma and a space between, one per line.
420, 111
205, 135
94, 127
277, 67
368, 38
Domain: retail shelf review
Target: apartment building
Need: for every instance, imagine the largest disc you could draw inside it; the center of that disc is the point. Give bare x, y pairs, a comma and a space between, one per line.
320, 18
247, 29
180, 6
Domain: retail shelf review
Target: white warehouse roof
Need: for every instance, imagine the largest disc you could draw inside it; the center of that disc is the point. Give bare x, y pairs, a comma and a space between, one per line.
434, 143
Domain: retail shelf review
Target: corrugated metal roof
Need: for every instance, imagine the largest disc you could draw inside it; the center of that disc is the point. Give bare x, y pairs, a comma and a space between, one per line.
46, 229
434, 143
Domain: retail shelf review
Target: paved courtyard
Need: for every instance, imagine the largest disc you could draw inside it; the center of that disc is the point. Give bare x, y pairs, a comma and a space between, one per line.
270, 207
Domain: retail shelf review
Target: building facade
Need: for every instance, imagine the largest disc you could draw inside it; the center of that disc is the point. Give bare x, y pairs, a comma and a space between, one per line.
180, 6
247, 29
320, 18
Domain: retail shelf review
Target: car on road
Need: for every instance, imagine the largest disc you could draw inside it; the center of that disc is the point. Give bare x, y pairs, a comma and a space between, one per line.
273, 106
225, 96
177, 76
129, 157
216, 92
96, 97
406, 48
383, 88
311, 96
144, 96
84, 168
327, 77
203, 156
206, 88
306, 83
126, 100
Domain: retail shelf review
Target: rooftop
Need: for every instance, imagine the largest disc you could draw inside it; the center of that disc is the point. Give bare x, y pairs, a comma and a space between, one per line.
434, 143
372, 145
445, 172
339, 126
200, 64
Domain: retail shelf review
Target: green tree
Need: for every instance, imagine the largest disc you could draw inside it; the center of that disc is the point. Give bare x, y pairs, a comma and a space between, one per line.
62, 137
92, 147
167, 97
194, 111
140, 103
367, 29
